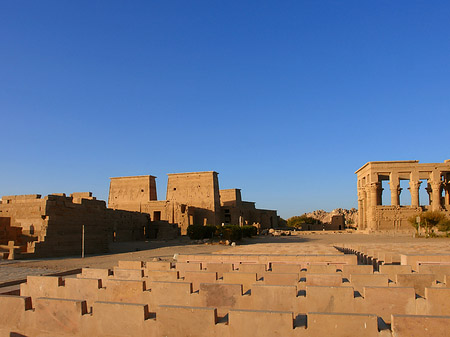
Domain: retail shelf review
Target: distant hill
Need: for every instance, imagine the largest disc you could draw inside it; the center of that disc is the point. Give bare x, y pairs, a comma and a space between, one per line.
351, 215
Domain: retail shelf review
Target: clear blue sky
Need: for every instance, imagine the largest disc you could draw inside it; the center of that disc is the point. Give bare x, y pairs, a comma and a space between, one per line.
285, 99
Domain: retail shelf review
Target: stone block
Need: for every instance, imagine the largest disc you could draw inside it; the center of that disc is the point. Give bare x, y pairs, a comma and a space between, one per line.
257, 268
174, 321
182, 267
328, 280
347, 270
386, 301
438, 270
437, 301
418, 281
197, 277
420, 326
281, 279
102, 274
122, 319
222, 296
219, 268
285, 268
158, 265
392, 270
330, 299
82, 289
162, 275
129, 291
170, 293
246, 279
12, 310
59, 316
128, 274
131, 264
359, 281
321, 269
42, 286
274, 297
414, 260
342, 325
243, 323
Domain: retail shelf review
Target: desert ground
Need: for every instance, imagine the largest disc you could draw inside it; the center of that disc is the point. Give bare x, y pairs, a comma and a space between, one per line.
165, 250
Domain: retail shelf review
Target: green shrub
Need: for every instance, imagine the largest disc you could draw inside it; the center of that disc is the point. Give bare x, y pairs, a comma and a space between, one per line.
249, 231
229, 232
300, 221
429, 220
199, 232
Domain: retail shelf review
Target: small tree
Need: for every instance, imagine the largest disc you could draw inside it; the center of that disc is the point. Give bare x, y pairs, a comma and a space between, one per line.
444, 226
299, 221
429, 220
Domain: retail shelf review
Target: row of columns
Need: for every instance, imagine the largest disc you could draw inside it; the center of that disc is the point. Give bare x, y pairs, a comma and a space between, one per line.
369, 196
434, 188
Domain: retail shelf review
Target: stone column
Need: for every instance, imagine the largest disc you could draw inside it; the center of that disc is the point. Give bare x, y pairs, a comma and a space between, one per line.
361, 208
414, 190
436, 195
428, 189
375, 189
379, 194
446, 186
395, 193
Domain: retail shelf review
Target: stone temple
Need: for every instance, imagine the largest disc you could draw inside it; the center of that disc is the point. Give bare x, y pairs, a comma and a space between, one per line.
376, 214
191, 199
55, 224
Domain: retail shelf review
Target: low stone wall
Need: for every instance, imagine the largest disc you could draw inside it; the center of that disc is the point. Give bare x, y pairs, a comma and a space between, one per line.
234, 295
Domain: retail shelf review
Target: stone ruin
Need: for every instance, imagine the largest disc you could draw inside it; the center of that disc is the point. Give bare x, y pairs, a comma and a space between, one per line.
53, 226
378, 290
192, 199
376, 214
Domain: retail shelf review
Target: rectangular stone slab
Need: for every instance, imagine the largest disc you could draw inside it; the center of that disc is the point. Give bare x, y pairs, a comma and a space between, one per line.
420, 326
244, 323
337, 325
437, 301
186, 321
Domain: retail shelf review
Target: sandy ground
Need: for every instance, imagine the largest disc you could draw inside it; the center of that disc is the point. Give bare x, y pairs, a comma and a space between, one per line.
165, 250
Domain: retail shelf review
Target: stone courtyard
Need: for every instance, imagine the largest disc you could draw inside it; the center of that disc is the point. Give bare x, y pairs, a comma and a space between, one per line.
316, 284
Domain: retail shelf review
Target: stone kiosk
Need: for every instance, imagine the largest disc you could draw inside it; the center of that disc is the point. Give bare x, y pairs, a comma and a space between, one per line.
374, 215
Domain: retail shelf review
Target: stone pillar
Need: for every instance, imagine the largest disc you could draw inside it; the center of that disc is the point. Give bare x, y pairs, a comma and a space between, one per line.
414, 190
375, 193
428, 189
379, 194
436, 195
447, 193
395, 193
361, 209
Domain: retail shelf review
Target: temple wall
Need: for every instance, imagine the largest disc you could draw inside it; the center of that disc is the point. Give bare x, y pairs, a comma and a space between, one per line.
53, 225
377, 214
131, 192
